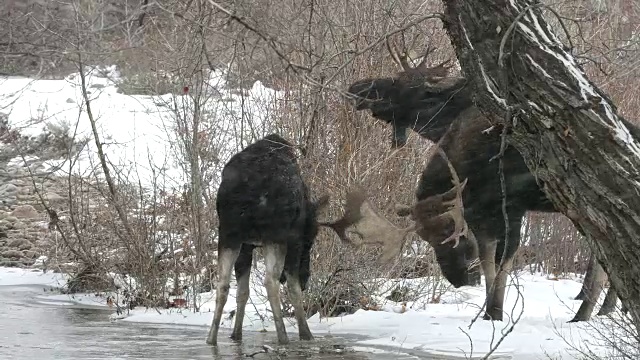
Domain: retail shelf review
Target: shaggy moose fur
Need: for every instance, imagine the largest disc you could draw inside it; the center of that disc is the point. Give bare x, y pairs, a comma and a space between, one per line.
443, 111
263, 201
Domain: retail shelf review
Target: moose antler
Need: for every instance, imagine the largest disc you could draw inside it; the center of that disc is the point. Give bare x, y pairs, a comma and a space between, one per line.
400, 60
423, 63
361, 218
431, 74
457, 207
431, 212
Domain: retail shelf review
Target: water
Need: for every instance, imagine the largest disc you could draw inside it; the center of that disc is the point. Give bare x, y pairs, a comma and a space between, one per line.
31, 329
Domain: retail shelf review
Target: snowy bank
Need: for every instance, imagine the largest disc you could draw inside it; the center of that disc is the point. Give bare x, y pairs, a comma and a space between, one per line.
442, 328
18, 276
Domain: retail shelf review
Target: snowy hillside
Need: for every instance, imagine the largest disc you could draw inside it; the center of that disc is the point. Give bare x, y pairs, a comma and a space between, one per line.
139, 132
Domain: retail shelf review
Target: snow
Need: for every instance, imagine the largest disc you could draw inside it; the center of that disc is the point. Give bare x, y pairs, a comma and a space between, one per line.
441, 328
490, 87
84, 300
466, 36
16, 276
542, 33
514, 5
488, 82
538, 67
138, 131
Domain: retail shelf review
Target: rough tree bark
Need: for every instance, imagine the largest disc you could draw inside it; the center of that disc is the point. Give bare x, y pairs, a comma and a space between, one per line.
567, 129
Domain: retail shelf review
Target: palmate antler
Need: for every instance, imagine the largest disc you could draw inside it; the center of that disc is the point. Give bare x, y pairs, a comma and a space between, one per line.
432, 212
457, 207
432, 74
361, 218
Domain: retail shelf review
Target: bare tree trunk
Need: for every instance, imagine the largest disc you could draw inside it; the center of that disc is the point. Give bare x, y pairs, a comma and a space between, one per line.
520, 72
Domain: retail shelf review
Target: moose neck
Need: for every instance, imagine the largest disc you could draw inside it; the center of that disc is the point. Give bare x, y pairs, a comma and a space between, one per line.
434, 130
434, 116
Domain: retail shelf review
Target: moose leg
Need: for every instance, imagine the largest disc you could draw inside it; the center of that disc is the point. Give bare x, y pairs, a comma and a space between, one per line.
243, 272
610, 301
495, 306
487, 248
591, 295
502, 255
295, 292
274, 255
588, 278
475, 277
504, 263
226, 258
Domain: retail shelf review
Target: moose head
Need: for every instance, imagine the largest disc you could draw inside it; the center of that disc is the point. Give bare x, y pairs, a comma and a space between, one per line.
413, 98
411, 77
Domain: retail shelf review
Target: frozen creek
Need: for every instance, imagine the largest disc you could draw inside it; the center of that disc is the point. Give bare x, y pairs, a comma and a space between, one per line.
31, 328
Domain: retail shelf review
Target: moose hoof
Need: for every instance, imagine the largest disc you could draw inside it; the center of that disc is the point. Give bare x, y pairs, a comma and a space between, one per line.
575, 320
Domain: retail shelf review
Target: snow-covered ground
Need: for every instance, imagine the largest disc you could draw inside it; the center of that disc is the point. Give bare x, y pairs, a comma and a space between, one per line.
542, 331
15, 276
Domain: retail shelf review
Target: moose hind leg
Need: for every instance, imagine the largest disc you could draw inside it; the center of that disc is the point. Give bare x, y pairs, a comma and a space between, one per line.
243, 272
495, 311
591, 295
226, 258
295, 293
589, 277
610, 301
487, 261
274, 256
